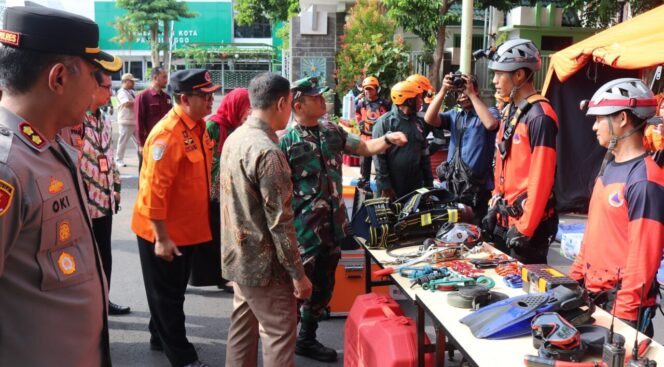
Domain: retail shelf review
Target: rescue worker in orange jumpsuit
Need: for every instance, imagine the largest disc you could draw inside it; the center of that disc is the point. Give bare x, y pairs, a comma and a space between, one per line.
522, 215
368, 108
625, 233
171, 214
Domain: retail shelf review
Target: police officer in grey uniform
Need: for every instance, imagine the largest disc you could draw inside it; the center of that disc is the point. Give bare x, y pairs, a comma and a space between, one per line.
53, 293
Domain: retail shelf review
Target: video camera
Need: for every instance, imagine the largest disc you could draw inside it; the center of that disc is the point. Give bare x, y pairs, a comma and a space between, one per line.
489, 53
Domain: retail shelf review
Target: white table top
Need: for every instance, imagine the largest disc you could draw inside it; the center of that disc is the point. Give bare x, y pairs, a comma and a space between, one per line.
508, 352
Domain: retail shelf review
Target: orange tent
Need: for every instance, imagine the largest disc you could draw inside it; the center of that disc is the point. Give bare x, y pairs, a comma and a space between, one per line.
574, 74
634, 44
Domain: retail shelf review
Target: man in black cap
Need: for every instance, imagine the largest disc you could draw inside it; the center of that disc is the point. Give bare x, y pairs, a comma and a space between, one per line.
52, 286
171, 213
313, 148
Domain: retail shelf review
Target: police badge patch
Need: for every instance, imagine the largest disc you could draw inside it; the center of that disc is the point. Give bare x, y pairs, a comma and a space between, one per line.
66, 263
6, 196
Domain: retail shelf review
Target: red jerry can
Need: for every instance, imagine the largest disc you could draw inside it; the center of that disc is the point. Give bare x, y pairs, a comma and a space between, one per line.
366, 310
390, 342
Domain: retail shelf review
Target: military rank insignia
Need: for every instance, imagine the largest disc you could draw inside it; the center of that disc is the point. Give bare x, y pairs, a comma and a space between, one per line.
189, 144
32, 135
64, 231
66, 263
6, 196
55, 186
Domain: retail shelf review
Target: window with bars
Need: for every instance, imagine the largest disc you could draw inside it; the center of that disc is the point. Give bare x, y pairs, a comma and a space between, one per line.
259, 29
478, 41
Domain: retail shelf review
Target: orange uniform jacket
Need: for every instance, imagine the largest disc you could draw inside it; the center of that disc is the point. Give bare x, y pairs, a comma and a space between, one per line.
530, 166
174, 185
653, 138
625, 231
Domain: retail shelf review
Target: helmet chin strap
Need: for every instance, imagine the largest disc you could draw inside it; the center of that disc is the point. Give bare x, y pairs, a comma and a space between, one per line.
614, 141
517, 87
412, 103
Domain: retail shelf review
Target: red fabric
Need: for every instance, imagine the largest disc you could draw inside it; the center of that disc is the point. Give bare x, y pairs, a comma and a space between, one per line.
230, 113
625, 232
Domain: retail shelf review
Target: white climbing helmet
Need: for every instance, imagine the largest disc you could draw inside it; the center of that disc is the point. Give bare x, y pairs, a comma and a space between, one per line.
623, 94
516, 54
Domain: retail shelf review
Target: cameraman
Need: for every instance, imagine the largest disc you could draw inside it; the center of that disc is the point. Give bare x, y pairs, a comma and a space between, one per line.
467, 172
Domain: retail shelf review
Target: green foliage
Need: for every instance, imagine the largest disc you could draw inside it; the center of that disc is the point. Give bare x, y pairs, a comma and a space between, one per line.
144, 13
604, 13
368, 48
199, 56
249, 11
283, 33
423, 17
127, 30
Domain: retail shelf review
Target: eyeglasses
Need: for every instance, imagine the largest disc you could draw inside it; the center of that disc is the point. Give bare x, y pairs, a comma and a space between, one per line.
202, 95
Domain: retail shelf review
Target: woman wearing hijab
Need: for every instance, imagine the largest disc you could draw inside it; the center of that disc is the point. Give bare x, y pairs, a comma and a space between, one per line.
206, 260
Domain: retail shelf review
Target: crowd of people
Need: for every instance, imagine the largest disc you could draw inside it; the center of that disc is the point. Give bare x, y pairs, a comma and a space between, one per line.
225, 202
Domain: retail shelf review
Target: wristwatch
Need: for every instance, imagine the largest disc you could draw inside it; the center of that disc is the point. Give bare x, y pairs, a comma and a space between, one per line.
387, 139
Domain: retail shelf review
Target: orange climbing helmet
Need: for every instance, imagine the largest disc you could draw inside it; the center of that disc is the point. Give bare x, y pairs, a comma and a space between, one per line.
370, 81
421, 81
403, 91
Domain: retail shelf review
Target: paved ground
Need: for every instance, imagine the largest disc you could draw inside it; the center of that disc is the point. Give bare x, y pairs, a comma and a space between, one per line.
207, 308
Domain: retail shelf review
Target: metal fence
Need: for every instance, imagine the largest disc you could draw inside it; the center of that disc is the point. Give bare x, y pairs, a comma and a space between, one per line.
419, 63
231, 79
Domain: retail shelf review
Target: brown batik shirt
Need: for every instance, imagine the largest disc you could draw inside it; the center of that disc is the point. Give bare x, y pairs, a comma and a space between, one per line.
259, 244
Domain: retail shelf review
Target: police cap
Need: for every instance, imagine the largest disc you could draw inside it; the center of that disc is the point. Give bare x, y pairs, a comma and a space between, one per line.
192, 80
307, 87
47, 30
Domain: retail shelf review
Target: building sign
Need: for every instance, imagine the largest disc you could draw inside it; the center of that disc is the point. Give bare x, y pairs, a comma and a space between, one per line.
213, 24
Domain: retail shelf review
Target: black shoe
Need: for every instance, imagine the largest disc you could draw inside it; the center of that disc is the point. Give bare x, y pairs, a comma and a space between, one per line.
315, 350
115, 310
155, 344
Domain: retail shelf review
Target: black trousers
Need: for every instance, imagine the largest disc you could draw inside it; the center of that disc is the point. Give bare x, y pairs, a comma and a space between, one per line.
102, 227
365, 167
165, 284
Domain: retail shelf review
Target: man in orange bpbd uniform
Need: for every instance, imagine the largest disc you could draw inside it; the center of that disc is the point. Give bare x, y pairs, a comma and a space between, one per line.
171, 214
625, 232
522, 215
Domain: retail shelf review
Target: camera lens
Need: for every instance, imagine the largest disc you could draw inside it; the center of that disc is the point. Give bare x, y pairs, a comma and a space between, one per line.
458, 82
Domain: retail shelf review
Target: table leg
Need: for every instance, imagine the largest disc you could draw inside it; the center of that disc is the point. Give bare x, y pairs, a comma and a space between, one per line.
440, 346
420, 334
367, 270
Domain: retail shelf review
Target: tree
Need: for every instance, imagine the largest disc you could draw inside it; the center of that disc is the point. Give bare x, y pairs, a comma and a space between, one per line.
428, 20
127, 31
249, 11
368, 48
151, 16
605, 13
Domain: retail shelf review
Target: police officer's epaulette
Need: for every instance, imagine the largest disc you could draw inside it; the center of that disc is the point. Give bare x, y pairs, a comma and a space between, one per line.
6, 138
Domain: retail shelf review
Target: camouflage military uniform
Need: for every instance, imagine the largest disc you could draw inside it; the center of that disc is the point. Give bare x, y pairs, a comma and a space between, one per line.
321, 222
